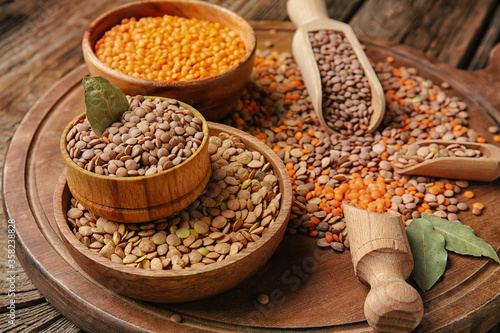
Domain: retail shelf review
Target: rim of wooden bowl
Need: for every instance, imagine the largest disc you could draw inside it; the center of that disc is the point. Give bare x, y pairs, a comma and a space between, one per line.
88, 49
71, 164
277, 229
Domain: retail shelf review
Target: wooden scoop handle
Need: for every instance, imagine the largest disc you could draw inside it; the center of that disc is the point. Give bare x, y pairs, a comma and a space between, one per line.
392, 305
382, 259
301, 12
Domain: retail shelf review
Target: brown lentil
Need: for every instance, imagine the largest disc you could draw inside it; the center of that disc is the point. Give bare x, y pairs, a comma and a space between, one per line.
263, 299
476, 211
175, 318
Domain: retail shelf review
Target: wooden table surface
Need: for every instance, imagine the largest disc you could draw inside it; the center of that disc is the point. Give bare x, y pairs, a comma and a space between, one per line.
40, 43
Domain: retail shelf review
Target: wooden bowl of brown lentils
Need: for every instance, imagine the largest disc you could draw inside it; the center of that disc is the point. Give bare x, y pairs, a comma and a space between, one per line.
230, 230
152, 163
193, 51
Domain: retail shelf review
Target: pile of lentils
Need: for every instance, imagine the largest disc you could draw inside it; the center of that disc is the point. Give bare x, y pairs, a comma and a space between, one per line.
152, 136
328, 169
239, 205
346, 92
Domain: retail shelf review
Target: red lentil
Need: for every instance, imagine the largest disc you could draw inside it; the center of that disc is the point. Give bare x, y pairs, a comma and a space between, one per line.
469, 194
478, 205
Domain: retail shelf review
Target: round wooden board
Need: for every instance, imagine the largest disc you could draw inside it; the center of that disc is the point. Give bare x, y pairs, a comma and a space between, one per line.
310, 289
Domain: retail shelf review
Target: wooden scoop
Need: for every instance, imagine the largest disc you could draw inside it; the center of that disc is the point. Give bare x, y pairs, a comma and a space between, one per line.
382, 259
311, 15
481, 169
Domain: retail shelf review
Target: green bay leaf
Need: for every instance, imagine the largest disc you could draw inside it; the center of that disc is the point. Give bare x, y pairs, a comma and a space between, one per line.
104, 103
429, 253
460, 238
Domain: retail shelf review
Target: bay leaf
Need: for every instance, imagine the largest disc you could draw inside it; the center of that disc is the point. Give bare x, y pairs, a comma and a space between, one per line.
104, 103
460, 238
429, 253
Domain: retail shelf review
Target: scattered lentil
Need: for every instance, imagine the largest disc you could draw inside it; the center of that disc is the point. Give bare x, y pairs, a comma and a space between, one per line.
263, 299
175, 318
478, 205
493, 129
476, 211
279, 113
469, 194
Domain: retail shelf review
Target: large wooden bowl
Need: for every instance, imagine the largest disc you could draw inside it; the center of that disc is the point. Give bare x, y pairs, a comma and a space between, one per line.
190, 284
212, 96
140, 198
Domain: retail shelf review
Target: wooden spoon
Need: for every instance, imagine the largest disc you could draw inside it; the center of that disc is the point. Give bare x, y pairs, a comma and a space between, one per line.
382, 259
481, 169
311, 15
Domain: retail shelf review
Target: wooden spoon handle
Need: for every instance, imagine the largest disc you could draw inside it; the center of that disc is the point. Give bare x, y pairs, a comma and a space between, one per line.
392, 305
301, 12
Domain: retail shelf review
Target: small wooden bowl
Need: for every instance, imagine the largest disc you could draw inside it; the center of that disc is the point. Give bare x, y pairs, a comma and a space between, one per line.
189, 284
140, 198
212, 96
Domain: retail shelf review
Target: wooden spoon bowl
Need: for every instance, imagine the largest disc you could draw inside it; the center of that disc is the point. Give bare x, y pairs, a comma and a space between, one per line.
309, 16
140, 198
485, 169
213, 96
188, 284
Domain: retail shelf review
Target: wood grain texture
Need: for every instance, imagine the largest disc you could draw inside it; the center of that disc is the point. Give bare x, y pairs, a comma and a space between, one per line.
39, 316
40, 43
301, 272
489, 78
446, 30
382, 259
488, 40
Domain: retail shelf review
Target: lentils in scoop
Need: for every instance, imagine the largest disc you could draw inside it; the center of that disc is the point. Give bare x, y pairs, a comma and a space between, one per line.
346, 92
170, 48
415, 153
152, 136
238, 206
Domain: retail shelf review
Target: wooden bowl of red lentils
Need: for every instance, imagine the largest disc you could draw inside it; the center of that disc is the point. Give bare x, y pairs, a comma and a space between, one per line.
227, 234
193, 51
